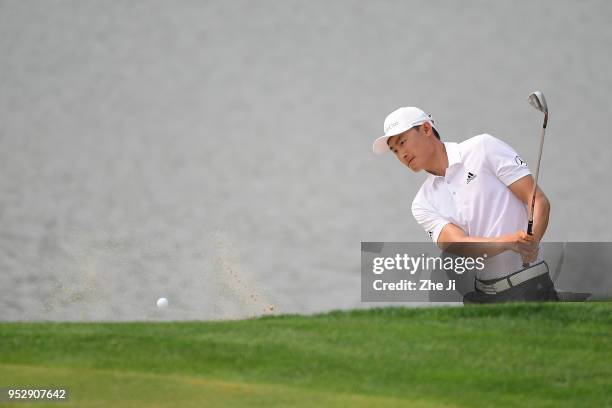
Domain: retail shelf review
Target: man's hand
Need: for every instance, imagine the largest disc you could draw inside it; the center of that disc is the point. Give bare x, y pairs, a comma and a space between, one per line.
522, 243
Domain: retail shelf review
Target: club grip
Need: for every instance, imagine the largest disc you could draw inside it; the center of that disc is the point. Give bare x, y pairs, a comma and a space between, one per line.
530, 228
529, 232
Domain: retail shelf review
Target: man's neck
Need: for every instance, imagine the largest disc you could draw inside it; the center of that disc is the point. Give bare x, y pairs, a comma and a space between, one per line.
439, 162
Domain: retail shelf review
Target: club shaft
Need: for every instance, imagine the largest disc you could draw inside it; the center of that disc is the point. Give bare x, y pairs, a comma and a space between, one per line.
537, 173
535, 184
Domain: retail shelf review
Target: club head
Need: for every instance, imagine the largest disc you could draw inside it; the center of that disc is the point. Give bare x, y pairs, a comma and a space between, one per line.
537, 100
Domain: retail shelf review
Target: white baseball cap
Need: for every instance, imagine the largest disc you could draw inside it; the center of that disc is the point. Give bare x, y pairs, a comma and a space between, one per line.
399, 121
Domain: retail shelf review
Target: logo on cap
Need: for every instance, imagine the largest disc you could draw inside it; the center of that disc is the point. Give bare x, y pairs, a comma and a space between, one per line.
392, 125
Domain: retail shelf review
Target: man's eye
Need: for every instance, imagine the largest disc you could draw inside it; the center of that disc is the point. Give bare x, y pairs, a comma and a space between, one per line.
401, 142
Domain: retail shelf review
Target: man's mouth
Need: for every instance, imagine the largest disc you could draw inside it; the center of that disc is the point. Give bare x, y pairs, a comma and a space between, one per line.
410, 161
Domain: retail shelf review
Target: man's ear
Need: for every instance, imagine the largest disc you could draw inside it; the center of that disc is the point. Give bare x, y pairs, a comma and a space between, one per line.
427, 128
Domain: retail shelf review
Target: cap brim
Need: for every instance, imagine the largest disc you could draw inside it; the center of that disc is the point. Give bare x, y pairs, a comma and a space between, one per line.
380, 145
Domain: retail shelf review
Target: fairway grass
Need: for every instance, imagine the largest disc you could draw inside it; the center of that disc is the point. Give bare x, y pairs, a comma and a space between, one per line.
536, 355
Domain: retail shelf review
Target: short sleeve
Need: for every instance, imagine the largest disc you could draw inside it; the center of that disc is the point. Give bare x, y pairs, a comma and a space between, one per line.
428, 218
504, 161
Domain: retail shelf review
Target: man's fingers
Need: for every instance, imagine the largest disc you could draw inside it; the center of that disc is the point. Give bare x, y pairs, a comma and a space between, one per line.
523, 238
529, 253
529, 250
525, 245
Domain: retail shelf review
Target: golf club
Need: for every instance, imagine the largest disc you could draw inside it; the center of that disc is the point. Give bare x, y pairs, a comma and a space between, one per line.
537, 100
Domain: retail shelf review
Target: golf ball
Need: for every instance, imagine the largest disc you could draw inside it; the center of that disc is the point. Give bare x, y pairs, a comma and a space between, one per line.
162, 303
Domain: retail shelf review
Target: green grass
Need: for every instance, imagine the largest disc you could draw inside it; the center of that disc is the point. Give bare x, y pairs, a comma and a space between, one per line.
536, 355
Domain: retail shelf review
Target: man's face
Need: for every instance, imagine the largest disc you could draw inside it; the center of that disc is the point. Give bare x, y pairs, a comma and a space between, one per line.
413, 147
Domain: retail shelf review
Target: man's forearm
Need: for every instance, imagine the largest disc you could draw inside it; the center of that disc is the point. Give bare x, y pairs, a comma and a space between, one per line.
455, 240
541, 213
477, 246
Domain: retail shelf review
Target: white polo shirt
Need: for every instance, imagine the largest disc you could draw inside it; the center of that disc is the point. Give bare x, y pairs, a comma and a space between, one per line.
474, 195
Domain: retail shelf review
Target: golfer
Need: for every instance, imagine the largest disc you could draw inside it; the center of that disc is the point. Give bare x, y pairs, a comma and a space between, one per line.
474, 201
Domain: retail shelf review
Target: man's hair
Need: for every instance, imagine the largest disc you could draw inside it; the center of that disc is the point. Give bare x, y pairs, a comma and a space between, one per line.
436, 132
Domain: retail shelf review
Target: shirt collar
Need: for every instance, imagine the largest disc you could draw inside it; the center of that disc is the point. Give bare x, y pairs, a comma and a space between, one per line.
453, 152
